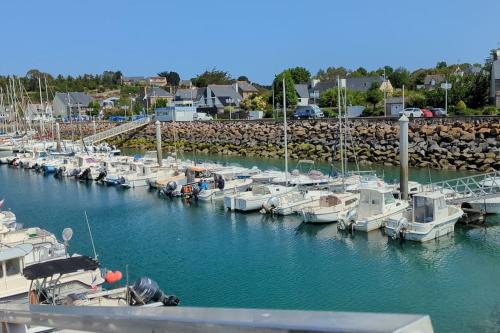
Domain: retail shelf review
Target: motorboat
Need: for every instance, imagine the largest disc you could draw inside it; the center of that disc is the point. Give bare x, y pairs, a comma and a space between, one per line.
267, 176
254, 199
291, 202
429, 218
376, 205
222, 188
330, 208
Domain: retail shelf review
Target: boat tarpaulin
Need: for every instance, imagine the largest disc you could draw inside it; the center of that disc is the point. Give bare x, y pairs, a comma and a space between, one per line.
60, 266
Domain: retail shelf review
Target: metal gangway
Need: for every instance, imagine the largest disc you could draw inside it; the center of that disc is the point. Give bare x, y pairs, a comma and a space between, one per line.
132, 125
59, 318
471, 188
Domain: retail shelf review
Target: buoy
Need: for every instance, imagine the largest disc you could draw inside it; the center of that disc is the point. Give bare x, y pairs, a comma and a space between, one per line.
112, 277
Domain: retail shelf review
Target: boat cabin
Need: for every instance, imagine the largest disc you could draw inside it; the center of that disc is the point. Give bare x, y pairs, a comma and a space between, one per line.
11, 264
334, 200
375, 201
429, 206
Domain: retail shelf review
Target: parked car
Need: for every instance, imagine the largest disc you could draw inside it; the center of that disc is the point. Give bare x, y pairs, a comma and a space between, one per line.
308, 112
427, 113
412, 113
201, 116
439, 112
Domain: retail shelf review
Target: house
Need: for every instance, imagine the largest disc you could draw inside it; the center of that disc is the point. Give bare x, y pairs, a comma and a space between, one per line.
217, 97
245, 89
176, 113
71, 104
130, 80
151, 95
360, 84
302, 94
185, 84
432, 81
394, 105
184, 96
157, 81
495, 78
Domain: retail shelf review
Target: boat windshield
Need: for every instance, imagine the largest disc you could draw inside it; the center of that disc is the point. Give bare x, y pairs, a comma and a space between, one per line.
388, 198
424, 209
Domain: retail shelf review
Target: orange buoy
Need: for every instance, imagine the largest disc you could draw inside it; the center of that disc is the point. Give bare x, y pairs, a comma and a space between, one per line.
112, 277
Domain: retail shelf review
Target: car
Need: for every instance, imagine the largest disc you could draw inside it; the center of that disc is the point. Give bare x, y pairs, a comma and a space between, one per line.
412, 113
439, 112
308, 112
201, 116
427, 113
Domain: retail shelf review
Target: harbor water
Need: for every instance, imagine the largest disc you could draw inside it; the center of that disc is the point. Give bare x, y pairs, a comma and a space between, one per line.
210, 257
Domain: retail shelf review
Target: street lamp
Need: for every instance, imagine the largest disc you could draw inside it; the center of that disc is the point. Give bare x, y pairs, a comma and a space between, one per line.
446, 86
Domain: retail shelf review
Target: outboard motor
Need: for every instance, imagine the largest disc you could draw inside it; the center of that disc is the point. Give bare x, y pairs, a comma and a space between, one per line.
85, 175
59, 172
75, 173
195, 190
270, 205
170, 188
146, 290
101, 176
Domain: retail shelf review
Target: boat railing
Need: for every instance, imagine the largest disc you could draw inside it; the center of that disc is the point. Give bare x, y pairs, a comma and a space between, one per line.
18, 317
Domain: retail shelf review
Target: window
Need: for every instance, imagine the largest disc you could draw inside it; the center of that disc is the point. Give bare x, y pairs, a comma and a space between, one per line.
350, 201
12, 267
388, 198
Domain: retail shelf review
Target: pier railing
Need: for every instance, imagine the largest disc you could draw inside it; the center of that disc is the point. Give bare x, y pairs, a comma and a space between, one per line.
89, 140
16, 318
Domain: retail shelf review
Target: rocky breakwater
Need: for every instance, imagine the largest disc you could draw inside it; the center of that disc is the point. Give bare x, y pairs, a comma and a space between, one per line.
462, 145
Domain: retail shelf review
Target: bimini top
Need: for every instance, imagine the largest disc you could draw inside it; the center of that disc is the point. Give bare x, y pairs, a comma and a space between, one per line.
60, 266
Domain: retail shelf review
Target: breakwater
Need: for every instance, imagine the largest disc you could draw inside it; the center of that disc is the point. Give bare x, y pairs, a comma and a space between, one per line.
444, 144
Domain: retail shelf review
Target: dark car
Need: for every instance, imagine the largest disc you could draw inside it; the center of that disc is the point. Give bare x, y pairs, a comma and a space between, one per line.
439, 112
308, 112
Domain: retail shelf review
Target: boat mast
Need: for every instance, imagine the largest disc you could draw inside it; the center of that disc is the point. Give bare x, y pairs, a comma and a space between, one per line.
340, 127
345, 126
286, 135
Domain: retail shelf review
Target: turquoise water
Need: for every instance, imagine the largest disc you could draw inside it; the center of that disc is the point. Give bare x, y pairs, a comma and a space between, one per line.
210, 257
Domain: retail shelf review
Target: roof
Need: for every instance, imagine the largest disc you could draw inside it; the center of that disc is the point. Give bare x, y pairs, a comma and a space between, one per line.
439, 78
158, 92
133, 78
246, 87
186, 94
18, 251
362, 83
185, 83
60, 266
302, 90
74, 98
224, 90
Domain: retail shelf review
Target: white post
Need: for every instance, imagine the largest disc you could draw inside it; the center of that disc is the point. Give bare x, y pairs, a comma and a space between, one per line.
286, 135
158, 143
403, 97
58, 136
446, 97
340, 127
385, 94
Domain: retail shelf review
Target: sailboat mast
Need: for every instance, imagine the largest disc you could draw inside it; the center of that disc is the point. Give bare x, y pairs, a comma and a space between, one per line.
340, 127
345, 126
286, 135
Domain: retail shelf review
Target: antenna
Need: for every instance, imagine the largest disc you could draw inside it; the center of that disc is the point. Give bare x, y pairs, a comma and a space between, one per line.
90, 233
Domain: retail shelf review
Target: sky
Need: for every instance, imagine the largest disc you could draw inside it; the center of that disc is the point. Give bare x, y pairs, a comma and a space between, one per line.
257, 38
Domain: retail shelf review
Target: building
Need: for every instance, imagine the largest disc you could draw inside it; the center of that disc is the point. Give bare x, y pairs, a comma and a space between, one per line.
302, 94
432, 81
157, 81
152, 95
185, 84
71, 104
109, 102
394, 105
185, 96
495, 78
175, 113
245, 89
360, 84
130, 80
216, 97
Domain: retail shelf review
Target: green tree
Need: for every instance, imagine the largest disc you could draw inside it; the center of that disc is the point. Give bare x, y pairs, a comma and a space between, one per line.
331, 73
213, 76
441, 65
400, 77
243, 78
300, 75
291, 95
360, 72
254, 102
172, 77
374, 95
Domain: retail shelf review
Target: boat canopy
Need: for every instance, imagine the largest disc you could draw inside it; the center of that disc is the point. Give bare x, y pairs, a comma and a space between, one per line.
18, 251
60, 266
197, 169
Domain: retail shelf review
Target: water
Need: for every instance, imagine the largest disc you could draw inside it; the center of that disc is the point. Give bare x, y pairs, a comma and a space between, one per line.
210, 257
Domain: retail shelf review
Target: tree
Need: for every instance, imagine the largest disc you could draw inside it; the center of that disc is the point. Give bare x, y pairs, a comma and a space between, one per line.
291, 95
441, 65
243, 78
400, 77
300, 75
213, 76
254, 102
331, 73
359, 72
172, 77
374, 95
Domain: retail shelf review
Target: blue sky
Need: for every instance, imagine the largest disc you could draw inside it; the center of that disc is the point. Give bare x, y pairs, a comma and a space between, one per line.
256, 38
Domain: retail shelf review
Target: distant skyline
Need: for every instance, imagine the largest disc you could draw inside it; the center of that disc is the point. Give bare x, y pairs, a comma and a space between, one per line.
257, 38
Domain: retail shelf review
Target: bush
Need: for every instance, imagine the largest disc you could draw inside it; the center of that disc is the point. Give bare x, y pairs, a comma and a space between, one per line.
491, 111
461, 106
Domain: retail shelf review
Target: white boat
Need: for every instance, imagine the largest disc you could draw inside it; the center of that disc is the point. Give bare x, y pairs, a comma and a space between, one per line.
267, 176
292, 202
330, 208
429, 218
488, 205
229, 187
7, 217
254, 199
376, 205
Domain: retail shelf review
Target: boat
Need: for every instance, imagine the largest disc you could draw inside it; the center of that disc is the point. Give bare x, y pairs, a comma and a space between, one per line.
222, 188
330, 208
267, 176
429, 218
376, 205
291, 202
254, 199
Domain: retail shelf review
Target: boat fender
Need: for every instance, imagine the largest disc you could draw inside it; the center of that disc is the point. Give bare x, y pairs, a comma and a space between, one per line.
113, 277
400, 230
